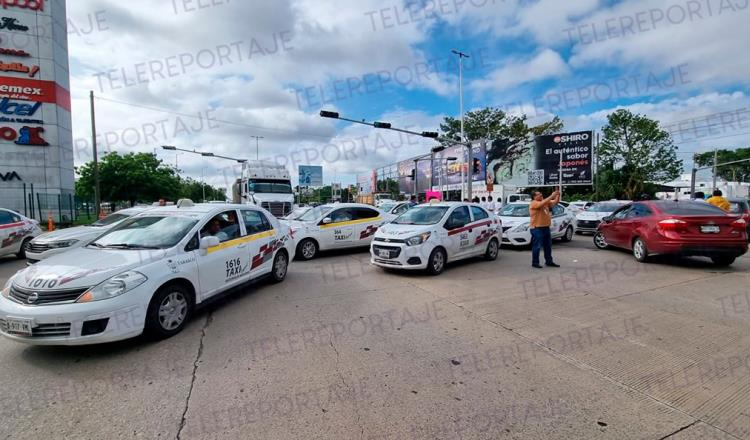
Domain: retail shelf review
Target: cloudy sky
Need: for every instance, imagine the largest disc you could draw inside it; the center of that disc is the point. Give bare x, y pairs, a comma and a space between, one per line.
210, 74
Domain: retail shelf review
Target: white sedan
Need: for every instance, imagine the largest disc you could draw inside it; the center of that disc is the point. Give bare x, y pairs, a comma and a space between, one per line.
146, 275
396, 208
428, 236
589, 220
61, 240
336, 226
516, 219
16, 232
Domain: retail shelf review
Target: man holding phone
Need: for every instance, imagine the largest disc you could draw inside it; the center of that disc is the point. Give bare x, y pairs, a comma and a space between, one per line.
540, 211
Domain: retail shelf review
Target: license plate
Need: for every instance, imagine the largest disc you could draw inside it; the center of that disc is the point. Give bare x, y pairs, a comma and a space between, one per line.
710, 229
19, 326
384, 253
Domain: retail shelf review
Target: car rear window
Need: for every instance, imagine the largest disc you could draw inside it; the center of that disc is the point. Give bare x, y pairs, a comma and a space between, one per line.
737, 207
689, 208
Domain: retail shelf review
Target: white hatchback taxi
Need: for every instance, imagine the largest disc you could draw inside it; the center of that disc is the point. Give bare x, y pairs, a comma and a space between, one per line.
144, 276
336, 226
16, 232
430, 235
516, 219
61, 240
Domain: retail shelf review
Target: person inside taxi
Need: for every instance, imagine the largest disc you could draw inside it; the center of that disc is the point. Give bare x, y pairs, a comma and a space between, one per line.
539, 226
214, 230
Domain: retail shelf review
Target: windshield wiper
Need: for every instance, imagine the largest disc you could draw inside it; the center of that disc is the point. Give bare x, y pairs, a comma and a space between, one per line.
129, 246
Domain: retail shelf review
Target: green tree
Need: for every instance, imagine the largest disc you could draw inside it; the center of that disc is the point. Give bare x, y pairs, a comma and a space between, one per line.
635, 150
736, 172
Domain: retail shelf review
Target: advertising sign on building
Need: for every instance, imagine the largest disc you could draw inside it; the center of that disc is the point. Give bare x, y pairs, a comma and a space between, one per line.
451, 166
405, 181
364, 182
310, 175
574, 150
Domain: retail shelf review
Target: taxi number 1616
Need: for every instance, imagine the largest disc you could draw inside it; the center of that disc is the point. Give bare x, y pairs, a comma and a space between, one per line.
234, 267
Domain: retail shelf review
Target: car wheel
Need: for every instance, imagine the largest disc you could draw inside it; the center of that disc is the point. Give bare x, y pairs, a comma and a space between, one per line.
280, 267
22, 250
600, 242
640, 252
436, 262
723, 261
493, 249
568, 235
169, 311
307, 249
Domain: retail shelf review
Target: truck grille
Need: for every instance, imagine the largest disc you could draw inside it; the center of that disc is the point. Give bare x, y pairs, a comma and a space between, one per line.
42, 330
278, 209
45, 296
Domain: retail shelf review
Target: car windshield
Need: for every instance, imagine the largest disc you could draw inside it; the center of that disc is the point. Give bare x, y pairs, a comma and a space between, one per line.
152, 232
315, 213
297, 213
387, 206
270, 186
604, 207
110, 220
515, 211
422, 215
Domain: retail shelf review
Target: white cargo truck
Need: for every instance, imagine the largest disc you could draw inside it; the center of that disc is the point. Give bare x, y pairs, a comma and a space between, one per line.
265, 184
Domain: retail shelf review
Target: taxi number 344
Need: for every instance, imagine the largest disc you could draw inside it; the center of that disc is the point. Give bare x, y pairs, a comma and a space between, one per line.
234, 267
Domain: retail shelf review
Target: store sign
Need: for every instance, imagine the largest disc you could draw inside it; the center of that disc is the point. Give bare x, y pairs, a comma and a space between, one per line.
8, 107
571, 152
25, 89
19, 68
34, 5
25, 136
12, 24
14, 52
10, 176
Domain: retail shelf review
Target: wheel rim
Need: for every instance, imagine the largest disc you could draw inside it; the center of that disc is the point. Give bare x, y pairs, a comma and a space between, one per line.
600, 241
493, 249
638, 249
569, 234
173, 310
308, 249
438, 262
280, 266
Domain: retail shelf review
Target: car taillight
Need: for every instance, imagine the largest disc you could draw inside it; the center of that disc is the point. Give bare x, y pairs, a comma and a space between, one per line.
740, 224
673, 224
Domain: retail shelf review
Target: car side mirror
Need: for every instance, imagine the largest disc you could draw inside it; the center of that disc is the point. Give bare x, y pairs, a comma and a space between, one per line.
327, 221
607, 219
209, 242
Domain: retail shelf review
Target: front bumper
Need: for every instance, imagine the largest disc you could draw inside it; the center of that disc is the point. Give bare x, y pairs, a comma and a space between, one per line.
63, 324
516, 238
400, 256
590, 226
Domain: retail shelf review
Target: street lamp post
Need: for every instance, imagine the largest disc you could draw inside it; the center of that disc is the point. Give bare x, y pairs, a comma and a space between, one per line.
257, 147
461, 57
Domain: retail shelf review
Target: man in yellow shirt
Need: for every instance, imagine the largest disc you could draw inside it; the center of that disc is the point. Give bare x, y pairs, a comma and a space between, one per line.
719, 201
539, 226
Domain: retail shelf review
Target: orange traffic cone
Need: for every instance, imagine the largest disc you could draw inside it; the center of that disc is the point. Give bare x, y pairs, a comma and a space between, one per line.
50, 223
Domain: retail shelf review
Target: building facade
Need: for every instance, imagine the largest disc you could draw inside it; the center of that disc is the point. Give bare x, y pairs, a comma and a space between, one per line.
35, 118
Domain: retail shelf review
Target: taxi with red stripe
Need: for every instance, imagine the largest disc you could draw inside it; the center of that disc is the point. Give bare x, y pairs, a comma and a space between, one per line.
429, 236
146, 275
16, 232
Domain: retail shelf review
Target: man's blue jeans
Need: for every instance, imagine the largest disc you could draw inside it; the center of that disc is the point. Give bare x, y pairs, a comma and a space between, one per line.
541, 238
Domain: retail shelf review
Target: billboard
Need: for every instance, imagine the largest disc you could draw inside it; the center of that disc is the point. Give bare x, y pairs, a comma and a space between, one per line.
452, 163
310, 175
574, 150
405, 182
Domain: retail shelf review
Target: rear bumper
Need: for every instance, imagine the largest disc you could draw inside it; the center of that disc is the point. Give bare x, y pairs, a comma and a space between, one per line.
734, 249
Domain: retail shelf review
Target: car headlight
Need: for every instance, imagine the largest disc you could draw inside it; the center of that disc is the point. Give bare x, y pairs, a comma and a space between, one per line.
6, 288
521, 228
417, 240
115, 286
62, 244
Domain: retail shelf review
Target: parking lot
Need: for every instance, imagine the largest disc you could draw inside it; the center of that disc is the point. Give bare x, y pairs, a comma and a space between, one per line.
602, 348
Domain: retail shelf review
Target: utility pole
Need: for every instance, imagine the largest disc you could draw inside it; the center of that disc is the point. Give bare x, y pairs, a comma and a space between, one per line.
716, 163
693, 175
257, 147
97, 190
461, 57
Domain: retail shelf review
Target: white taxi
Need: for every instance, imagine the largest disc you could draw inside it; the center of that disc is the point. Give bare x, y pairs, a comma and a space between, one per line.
61, 240
516, 219
430, 235
144, 276
16, 232
336, 226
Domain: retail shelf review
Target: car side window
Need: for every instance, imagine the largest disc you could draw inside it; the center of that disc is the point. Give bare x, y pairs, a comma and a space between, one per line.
193, 244
341, 215
621, 213
557, 211
401, 209
362, 213
479, 213
638, 211
255, 222
458, 218
5, 218
224, 226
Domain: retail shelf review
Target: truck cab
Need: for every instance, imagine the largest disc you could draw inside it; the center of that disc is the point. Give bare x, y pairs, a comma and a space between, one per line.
265, 184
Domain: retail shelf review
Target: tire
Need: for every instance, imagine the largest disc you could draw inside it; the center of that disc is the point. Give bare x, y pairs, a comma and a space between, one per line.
436, 262
280, 267
723, 261
568, 237
640, 251
161, 317
600, 242
307, 249
493, 249
22, 251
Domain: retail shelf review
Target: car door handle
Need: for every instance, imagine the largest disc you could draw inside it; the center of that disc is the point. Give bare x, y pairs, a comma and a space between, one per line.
471, 230
242, 246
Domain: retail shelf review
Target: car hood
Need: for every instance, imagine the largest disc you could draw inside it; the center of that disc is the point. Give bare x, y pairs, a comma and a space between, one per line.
391, 230
77, 233
586, 215
85, 267
509, 222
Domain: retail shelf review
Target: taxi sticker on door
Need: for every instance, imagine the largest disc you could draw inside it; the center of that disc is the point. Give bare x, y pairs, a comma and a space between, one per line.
464, 237
343, 234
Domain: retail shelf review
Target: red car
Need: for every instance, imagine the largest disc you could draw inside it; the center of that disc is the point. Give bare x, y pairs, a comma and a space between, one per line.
666, 227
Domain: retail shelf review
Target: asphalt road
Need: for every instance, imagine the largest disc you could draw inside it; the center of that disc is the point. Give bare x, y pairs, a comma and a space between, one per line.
604, 348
